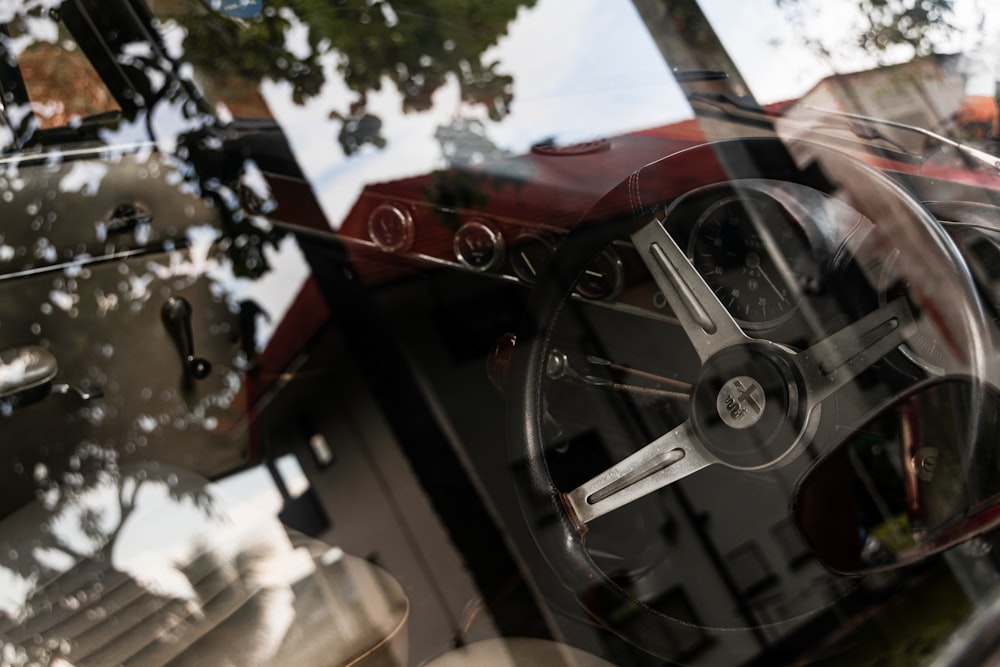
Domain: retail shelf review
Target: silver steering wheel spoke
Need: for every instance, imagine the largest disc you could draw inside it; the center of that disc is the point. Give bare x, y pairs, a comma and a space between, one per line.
707, 323
836, 360
667, 459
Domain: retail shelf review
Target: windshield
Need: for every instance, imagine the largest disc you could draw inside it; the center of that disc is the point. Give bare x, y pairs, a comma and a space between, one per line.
409, 91
575, 331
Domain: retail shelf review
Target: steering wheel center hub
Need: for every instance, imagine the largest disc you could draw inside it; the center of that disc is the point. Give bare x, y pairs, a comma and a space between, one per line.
741, 402
747, 407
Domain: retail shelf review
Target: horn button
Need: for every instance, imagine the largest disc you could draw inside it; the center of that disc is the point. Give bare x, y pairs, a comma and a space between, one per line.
747, 406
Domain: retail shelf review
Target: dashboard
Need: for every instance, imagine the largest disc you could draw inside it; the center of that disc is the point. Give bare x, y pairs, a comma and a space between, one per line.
782, 258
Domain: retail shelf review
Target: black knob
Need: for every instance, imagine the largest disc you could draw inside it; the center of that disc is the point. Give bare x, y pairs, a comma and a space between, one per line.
176, 316
127, 218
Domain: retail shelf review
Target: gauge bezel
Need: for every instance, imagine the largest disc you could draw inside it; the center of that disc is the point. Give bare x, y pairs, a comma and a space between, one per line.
523, 274
744, 198
406, 228
617, 277
493, 237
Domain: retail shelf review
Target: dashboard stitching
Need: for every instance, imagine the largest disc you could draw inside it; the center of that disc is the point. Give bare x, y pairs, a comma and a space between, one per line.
633, 192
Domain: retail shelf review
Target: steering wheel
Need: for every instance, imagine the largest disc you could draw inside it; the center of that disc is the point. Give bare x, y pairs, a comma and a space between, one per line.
755, 405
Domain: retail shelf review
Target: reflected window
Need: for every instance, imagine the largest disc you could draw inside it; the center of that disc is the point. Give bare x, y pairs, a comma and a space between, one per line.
62, 85
791, 543
750, 568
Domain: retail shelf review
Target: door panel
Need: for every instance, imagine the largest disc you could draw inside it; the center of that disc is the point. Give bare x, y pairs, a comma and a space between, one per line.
63, 207
102, 320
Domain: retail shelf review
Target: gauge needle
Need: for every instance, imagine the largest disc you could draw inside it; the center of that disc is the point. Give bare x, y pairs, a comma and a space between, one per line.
527, 262
753, 262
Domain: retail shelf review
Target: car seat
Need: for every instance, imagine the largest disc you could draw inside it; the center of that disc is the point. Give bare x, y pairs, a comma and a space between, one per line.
152, 565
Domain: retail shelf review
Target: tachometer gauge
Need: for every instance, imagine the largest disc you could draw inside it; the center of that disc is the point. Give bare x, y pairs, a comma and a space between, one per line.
752, 256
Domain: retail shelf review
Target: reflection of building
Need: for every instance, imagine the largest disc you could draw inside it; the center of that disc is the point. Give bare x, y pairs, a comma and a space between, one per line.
464, 143
925, 92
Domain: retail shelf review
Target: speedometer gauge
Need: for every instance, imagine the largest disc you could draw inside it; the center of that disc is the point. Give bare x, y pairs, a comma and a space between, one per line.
752, 256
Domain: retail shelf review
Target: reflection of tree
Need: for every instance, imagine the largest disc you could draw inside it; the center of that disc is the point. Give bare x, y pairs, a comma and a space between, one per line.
918, 23
922, 25
137, 600
59, 75
464, 144
416, 49
219, 174
76, 496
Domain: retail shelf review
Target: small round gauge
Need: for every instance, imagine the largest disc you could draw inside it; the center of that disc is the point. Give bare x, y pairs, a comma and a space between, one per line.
603, 278
391, 228
478, 246
732, 247
529, 254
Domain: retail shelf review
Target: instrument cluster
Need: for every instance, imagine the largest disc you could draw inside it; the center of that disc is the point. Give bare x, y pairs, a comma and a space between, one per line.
754, 257
753, 253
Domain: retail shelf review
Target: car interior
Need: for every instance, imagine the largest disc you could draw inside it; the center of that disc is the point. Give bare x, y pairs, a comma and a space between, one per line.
717, 388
